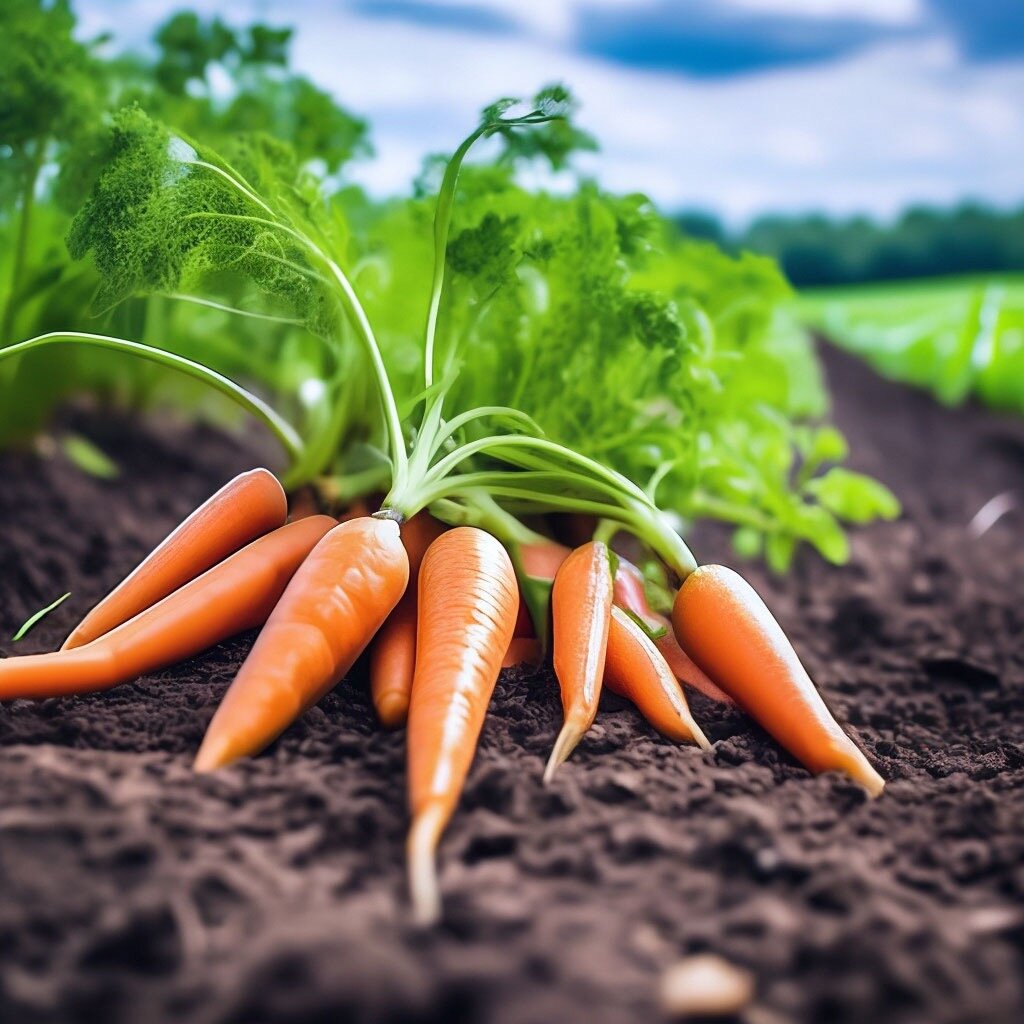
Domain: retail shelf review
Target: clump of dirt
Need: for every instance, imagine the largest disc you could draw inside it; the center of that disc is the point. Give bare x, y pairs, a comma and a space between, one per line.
133, 890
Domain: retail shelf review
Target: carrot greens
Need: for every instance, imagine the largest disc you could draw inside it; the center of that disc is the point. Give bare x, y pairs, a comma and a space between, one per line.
569, 352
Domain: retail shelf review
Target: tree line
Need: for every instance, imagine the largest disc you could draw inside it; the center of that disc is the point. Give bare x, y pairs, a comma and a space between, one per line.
817, 250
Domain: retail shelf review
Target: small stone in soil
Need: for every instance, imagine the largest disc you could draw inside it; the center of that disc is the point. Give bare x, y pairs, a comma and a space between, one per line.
705, 986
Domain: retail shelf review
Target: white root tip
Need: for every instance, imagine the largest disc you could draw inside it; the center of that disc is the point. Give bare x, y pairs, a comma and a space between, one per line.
871, 781
421, 850
568, 740
698, 735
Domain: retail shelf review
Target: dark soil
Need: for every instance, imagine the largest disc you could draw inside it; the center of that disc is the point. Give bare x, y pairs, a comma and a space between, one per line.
133, 891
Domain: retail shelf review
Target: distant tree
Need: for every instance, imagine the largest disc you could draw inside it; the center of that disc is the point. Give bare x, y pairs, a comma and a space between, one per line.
923, 242
702, 225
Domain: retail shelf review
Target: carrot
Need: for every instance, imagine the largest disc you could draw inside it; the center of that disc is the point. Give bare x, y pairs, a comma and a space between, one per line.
540, 559
393, 653
581, 606
334, 604
245, 508
468, 601
523, 650
237, 595
357, 510
302, 503
684, 668
631, 594
725, 627
635, 669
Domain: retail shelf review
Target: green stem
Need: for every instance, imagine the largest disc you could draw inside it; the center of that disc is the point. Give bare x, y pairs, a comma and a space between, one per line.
393, 421
645, 521
234, 310
477, 508
442, 225
498, 412
606, 530
356, 485
280, 427
443, 221
494, 445
21, 241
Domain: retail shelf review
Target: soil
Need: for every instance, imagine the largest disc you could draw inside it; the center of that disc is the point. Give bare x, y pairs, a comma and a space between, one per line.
133, 891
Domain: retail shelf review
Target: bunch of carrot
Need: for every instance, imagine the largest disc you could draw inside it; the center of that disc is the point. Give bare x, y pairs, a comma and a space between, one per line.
444, 583
442, 609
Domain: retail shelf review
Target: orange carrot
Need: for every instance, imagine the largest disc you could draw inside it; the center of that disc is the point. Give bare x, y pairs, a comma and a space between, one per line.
635, 669
581, 606
236, 595
357, 510
468, 601
302, 503
725, 627
684, 668
540, 559
523, 650
334, 604
245, 508
393, 653
631, 594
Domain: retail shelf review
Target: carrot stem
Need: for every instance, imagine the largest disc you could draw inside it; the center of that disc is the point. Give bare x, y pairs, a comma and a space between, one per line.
281, 428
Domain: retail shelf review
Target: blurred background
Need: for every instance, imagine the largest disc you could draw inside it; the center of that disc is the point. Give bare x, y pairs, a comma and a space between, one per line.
873, 148
855, 139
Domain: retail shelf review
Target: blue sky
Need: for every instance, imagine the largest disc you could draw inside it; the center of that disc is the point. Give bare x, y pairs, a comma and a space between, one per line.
738, 106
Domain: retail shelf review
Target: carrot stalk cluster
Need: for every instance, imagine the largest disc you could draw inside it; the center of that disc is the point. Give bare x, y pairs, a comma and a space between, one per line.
443, 612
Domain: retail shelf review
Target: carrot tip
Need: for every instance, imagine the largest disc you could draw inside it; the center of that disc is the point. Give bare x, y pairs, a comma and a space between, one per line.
392, 710
870, 780
73, 641
212, 755
421, 849
568, 740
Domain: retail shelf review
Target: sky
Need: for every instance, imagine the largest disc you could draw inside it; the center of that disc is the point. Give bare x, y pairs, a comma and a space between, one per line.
739, 107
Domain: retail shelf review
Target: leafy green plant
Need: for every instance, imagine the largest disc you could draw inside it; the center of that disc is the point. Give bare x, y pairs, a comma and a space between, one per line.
55, 136
227, 253
614, 351
957, 338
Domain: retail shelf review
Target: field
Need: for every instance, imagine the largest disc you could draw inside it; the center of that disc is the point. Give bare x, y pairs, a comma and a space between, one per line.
274, 892
471, 602
954, 336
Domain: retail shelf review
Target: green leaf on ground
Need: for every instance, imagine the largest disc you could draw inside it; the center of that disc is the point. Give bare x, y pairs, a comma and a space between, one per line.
41, 614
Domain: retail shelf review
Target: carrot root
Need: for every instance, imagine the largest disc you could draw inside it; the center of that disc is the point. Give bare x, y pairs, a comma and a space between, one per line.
421, 855
335, 602
244, 509
215, 752
698, 735
568, 740
725, 627
392, 710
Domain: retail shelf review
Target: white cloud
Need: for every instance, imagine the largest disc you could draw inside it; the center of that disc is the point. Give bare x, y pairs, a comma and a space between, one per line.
882, 12
899, 123
550, 19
